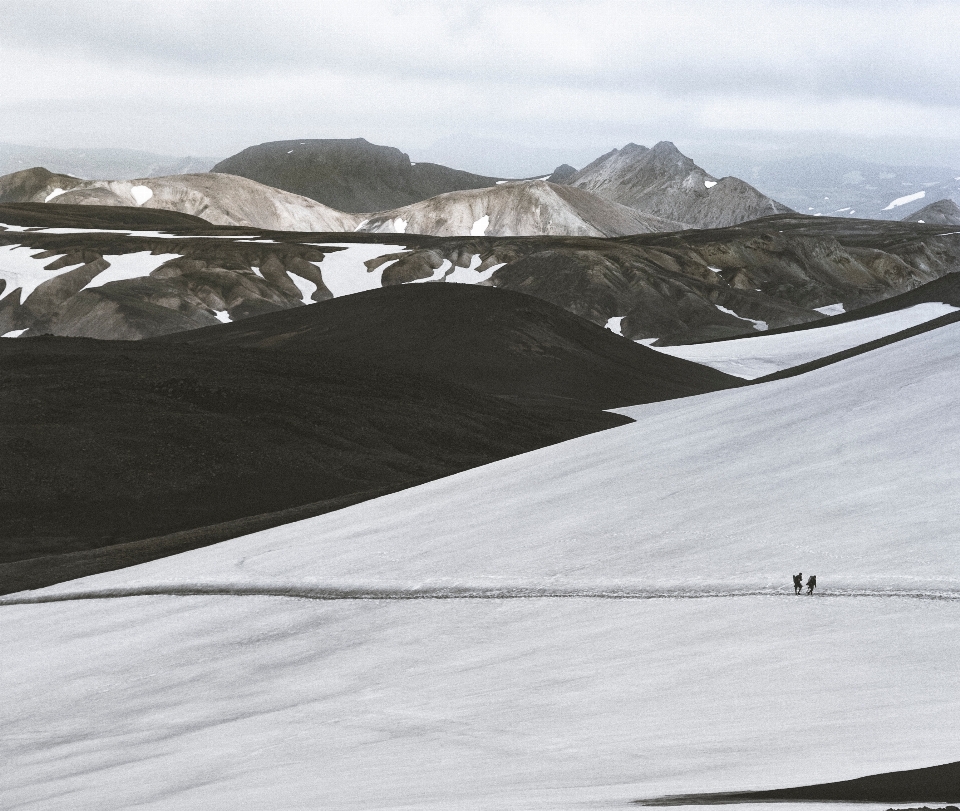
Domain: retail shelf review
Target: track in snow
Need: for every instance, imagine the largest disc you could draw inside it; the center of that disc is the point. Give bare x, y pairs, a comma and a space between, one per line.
454, 593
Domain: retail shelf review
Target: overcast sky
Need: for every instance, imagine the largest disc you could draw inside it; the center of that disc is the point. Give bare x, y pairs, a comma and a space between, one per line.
867, 77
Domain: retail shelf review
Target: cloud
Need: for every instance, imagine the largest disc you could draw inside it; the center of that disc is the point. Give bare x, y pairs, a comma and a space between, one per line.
575, 69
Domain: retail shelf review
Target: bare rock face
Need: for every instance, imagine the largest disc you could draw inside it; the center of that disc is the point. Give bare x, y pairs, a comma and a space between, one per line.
664, 182
34, 185
351, 175
218, 199
942, 212
518, 208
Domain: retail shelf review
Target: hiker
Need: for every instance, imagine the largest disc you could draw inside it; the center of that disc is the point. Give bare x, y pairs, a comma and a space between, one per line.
811, 583
798, 583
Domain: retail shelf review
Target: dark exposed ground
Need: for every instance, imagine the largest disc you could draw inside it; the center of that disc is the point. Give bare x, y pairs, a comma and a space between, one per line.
497, 341
107, 443
665, 286
932, 784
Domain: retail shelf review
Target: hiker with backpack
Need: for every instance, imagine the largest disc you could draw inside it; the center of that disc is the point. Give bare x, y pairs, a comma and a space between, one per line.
811, 583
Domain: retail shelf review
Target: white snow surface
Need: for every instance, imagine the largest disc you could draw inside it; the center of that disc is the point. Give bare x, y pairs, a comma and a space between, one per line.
755, 357
141, 194
400, 225
14, 333
472, 274
831, 309
130, 266
22, 272
614, 324
305, 286
54, 194
223, 316
758, 325
480, 226
709, 183
344, 271
244, 701
909, 198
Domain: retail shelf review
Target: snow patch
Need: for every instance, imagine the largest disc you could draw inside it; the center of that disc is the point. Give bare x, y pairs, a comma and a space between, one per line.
305, 286
129, 266
480, 226
256, 270
759, 325
755, 357
20, 271
614, 324
400, 225
362, 223
141, 194
830, 309
909, 198
715, 270
344, 271
53, 194
14, 333
471, 275
709, 183
223, 316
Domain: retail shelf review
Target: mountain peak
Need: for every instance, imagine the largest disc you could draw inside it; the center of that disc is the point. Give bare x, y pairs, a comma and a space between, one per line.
664, 182
942, 212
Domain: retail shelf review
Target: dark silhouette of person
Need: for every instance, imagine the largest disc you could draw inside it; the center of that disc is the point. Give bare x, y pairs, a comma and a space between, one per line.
798, 583
811, 583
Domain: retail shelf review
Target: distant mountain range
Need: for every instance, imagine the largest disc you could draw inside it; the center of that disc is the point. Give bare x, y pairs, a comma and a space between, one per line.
100, 162
352, 185
838, 186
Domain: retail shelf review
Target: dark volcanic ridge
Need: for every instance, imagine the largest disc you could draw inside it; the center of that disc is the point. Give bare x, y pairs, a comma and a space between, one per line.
159, 276
181, 443
931, 784
349, 174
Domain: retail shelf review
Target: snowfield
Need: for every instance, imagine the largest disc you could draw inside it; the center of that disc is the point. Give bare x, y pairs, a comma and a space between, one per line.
670, 657
752, 357
20, 271
215, 704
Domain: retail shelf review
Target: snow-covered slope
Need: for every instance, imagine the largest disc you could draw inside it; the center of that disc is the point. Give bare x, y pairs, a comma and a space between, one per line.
236, 698
755, 357
214, 704
725, 491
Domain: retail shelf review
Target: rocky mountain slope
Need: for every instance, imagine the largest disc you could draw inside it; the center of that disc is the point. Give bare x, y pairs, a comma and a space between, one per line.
351, 175
227, 430
111, 282
666, 183
942, 212
218, 199
517, 208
